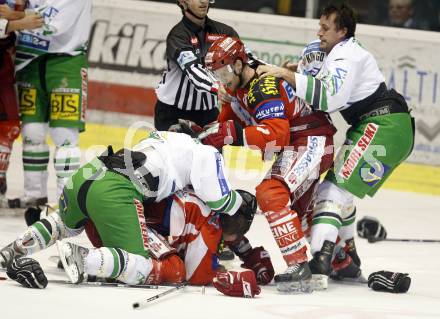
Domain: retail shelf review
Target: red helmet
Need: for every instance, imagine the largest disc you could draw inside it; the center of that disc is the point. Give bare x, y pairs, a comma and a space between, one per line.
225, 51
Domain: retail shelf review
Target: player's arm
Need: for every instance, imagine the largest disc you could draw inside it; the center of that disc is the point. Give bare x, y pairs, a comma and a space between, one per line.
329, 91
7, 13
180, 51
29, 22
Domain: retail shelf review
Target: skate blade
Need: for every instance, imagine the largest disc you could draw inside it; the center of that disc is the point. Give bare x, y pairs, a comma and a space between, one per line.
319, 282
358, 280
70, 267
295, 287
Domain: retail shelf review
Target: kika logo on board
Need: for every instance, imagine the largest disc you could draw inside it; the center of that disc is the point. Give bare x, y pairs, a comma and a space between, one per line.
127, 49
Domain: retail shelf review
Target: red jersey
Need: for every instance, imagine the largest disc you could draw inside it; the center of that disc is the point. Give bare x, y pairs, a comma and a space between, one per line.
270, 111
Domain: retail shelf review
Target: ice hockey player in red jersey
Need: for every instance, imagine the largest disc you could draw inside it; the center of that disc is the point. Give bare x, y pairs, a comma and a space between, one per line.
265, 114
189, 253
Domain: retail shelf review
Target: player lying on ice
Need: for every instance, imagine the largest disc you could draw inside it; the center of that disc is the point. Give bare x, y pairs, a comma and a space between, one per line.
265, 114
129, 246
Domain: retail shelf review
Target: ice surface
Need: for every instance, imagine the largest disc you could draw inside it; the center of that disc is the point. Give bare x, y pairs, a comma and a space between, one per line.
405, 215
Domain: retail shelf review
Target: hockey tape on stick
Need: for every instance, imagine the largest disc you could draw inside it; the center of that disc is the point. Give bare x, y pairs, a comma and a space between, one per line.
411, 240
140, 304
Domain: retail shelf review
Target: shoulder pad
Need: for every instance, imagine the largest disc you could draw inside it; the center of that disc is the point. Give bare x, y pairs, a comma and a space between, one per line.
263, 89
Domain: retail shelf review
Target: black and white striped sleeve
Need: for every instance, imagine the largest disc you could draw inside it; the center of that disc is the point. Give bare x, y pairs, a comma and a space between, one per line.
179, 50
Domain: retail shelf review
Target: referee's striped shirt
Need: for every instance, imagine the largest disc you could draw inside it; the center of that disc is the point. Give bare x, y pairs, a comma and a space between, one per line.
186, 84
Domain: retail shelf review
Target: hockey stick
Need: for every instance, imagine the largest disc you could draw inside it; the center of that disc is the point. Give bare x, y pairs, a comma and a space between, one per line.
410, 240
143, 303
104, 284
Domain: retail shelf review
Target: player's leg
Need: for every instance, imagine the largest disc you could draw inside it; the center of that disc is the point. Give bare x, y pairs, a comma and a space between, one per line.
115, 207
67, 154
66, 78
273, 199
9, 119
34, 107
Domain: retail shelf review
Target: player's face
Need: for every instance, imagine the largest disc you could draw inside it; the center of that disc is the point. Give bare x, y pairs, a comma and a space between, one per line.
329, 34
198, 7
227, 77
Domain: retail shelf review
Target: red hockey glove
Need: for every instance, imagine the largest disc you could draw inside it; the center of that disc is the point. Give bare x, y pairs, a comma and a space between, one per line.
237, 283
259, 261
220, 134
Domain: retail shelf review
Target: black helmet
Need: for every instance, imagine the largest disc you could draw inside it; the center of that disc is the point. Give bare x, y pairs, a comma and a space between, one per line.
241, 221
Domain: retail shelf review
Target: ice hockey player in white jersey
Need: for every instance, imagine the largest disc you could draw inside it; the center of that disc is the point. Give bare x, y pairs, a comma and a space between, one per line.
51, 65
381, 135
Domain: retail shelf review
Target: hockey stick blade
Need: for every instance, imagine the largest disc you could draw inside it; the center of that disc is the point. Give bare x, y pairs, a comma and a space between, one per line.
140, 304
410, 240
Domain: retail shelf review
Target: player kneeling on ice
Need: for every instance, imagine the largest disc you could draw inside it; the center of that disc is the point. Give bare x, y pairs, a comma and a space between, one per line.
142, 254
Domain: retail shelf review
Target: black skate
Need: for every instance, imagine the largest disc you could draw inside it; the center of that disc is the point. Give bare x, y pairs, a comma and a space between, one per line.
345, 269
296, 279
72, 257
350, 249
321, 265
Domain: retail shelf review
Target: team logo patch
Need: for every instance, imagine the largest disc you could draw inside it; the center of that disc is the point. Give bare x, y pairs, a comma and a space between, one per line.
27, 99
372, 173
358, 150
213, 37
270, 110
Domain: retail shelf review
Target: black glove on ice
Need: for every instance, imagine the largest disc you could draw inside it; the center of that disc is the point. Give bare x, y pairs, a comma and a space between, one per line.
389, 281
27, 272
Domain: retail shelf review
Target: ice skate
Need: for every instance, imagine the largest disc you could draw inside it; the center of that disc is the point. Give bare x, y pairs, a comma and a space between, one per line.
345, 269
72, 257
296, 279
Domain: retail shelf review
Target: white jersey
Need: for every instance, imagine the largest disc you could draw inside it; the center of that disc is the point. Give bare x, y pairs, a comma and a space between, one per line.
66, 30
348, 74
179, 161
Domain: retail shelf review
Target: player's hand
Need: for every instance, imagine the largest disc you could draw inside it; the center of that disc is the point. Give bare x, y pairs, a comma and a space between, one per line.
220, 134
32, 21
258, 260
223, 96
6, 12
27, 272
237, 283
272, 70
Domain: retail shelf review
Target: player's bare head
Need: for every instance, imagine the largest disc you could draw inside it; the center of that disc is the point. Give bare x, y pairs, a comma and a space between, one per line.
196, 8
226, 59
235, 226
337, 23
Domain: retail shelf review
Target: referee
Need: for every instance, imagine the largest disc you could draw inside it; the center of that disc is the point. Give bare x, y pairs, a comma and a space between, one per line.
187, 90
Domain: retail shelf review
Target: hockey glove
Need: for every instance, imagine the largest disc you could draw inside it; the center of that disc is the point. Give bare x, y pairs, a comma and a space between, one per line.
237, 283
370, 228
221, 134
27, 272
259, 261
389, 281
187, 127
